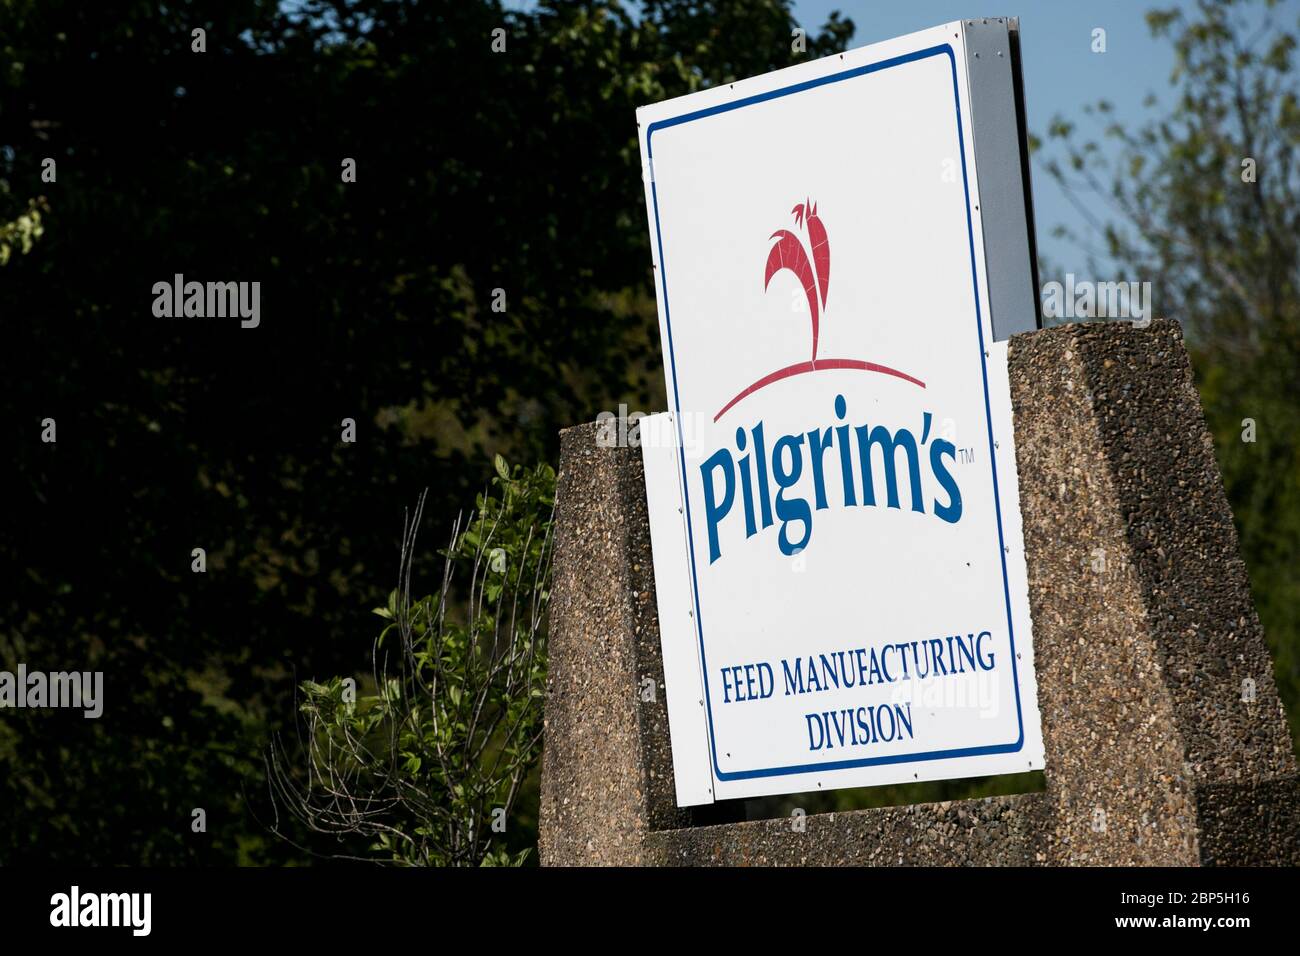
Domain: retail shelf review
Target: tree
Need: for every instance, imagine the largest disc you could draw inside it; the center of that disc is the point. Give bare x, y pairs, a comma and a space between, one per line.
476, 171
1203, 203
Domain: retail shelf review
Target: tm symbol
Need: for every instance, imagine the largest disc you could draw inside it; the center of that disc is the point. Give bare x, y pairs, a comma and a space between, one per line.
967, 455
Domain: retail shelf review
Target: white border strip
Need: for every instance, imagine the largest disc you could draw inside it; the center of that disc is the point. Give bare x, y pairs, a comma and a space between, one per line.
683, 682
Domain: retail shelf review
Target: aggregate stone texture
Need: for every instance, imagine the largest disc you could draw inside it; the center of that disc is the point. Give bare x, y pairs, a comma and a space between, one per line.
606, 764
1165, 739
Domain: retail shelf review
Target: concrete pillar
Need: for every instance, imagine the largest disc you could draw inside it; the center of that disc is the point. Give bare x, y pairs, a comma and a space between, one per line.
1166, 741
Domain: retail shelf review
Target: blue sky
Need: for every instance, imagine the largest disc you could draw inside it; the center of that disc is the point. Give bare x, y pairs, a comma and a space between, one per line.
1062, 76
1061, 72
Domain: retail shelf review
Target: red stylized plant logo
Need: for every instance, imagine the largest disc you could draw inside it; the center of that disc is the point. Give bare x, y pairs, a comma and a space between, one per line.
814, 274
788, 253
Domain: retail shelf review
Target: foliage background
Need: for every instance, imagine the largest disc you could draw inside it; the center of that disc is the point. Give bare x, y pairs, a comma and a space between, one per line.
476, 171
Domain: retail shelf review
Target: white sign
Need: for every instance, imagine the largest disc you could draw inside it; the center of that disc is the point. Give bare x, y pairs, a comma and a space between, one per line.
838, 554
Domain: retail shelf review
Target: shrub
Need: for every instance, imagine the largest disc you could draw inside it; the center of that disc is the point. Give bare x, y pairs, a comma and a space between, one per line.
429, 766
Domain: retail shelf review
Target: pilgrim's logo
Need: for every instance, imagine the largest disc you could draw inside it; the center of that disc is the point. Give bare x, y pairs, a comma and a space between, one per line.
788, 253
852, 462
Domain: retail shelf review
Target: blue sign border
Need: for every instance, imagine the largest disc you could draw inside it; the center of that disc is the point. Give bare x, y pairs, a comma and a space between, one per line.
1019, 743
